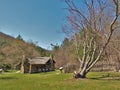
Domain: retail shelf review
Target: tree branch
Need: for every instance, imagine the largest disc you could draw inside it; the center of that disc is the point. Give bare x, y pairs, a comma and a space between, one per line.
110, 35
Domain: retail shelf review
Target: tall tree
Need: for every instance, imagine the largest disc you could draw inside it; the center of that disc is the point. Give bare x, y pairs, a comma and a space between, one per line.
92, 27
19, 37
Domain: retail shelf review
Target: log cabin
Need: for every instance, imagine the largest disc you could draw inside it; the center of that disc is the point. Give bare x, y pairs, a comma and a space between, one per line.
39, 64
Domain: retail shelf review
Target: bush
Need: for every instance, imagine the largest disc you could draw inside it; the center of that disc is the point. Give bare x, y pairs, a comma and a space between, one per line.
70, 68
6, 67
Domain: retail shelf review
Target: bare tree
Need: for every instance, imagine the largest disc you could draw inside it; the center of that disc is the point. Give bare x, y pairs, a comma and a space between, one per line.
89, 26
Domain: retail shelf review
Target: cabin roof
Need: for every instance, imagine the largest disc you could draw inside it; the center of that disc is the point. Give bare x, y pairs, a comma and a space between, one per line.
39, 60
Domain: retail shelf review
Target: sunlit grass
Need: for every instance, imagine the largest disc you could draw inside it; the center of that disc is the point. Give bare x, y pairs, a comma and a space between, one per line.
57, 81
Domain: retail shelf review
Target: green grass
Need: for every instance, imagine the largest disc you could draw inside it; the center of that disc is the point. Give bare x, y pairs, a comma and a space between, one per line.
55, 81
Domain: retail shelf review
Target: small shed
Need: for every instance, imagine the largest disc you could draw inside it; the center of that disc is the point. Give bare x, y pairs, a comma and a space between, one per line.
39, 64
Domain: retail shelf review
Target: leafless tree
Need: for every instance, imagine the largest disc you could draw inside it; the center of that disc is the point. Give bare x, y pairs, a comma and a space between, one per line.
89, 26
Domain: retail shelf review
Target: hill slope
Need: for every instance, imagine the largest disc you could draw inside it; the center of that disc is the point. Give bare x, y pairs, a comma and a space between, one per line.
12, 50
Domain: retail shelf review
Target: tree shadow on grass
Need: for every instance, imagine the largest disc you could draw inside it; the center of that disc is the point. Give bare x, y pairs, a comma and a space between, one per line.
107, 78
7, 78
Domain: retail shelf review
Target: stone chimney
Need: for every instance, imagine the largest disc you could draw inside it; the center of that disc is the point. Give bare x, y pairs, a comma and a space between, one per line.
51, 57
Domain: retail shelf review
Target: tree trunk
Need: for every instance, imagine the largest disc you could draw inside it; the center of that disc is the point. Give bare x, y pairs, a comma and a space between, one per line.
80, 75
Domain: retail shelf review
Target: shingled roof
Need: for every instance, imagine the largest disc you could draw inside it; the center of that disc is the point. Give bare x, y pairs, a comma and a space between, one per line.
39, 60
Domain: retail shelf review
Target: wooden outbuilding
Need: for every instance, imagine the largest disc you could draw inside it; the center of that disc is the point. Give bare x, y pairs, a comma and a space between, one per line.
39, 64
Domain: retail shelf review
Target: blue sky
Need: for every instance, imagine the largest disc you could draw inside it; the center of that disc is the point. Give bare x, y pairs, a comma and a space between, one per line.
38, 20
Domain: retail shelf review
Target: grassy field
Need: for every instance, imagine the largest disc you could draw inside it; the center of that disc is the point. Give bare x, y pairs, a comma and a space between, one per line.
56, 81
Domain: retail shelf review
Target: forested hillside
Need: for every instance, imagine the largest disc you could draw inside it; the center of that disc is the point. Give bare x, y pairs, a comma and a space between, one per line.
13, 49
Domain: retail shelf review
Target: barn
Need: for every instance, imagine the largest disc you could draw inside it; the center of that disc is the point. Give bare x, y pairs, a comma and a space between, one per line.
39, 64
